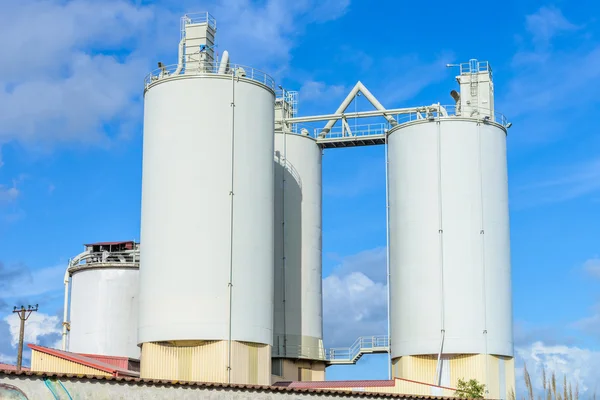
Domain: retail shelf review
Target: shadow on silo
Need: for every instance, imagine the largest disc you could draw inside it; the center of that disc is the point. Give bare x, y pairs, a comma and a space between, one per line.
287, 260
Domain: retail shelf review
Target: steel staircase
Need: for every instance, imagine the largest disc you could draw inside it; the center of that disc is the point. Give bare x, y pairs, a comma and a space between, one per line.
363, 345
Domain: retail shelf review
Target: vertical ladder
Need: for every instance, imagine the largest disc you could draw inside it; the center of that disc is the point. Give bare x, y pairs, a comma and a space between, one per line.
474, 84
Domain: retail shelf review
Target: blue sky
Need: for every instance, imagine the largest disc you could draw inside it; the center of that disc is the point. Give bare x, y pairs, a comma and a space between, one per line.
70, 144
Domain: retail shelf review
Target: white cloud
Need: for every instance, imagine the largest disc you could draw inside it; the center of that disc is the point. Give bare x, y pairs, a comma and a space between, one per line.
353, 306
552, 86
581, 366
591, 324
269, 30
548, 22
6, 359
371, 263
567, 182
20, 281
77, 66
37, 326
65, 81
592, 267
8, 193
409, 76
317, 91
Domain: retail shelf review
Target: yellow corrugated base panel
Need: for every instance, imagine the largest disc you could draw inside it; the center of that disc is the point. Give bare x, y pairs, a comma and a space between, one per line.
250, 363
47, 363
207, 362
485, 369
509, 373
467, 366
300, 370
416, 368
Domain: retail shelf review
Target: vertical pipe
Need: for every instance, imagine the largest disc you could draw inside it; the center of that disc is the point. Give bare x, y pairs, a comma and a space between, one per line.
66, 308
483, 266
387, 239
231, 194
284, 260
441, 252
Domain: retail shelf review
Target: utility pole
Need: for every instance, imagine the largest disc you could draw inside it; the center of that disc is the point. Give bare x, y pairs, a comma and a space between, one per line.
23, 314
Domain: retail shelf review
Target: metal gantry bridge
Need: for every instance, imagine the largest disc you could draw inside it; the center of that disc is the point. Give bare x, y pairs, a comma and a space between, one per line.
344, 135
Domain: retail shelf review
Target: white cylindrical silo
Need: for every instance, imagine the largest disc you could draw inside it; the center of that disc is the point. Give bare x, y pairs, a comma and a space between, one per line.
450, 283
206, 286
104, 306
298, 320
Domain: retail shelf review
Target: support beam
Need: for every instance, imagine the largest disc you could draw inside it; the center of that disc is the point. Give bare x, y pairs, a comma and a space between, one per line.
358, 88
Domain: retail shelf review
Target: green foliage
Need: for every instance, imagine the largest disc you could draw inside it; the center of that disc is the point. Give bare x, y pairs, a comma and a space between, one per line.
469, 390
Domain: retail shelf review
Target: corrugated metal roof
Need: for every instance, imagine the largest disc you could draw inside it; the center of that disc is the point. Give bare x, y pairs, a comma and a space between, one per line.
257, 388
83, 360
120, 362
336, 384
10, 367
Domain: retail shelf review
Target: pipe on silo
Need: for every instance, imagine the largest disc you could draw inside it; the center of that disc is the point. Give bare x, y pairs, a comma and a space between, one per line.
223, 66
180, 57
66, 307
441, 256
231, 226
387, 257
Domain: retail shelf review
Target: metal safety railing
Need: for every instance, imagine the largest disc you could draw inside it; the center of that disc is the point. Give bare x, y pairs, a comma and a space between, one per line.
355, 130
474, 66
375, 133
87, 258
290, 168
299, 351
207, 68
340, 355
446, 111
362, 345
197, 18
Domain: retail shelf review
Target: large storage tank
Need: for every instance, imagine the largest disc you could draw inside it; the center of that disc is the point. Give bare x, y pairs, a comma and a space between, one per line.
206, 286
298, 322
104, 300
451, 308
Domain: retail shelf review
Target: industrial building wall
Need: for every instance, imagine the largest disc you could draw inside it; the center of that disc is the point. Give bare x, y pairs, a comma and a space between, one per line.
49, 363
207, 362
401, 386
297, 370
35, 387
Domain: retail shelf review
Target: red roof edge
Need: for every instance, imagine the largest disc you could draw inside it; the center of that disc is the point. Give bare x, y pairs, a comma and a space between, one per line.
337, 384
426, 384
108, 243
83, 360
11, 367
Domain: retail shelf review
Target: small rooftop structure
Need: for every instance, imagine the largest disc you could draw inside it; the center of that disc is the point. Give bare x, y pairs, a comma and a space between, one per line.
44, 359
110, 246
